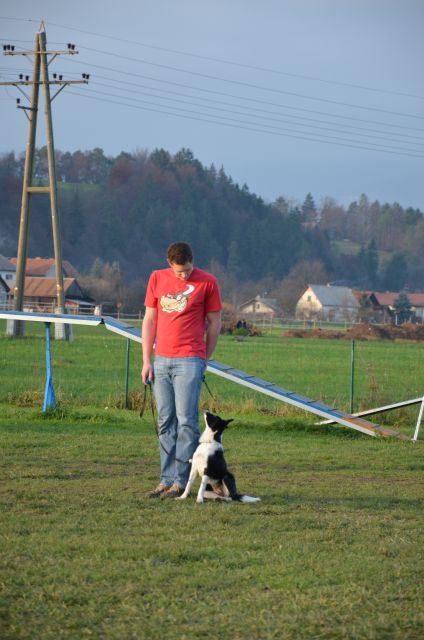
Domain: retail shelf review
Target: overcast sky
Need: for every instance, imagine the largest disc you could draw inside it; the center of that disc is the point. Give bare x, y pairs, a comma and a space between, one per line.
290, 96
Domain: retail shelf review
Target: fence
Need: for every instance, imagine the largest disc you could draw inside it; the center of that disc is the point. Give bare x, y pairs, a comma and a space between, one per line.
91, 370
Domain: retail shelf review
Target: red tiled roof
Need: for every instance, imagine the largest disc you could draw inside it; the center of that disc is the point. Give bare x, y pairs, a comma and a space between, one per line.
41, 266
358, 294
45, 287
388, 298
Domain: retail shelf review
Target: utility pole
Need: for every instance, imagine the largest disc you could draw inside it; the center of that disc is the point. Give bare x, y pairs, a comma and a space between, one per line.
41, 62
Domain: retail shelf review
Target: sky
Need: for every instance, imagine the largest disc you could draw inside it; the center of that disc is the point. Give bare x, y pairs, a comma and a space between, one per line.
289, 96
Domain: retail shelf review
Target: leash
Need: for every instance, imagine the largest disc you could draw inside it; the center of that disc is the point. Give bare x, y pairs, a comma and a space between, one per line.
152, 407
207, 387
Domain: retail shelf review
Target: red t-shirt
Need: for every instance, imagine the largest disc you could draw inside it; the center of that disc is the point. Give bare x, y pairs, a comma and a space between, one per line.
182, 306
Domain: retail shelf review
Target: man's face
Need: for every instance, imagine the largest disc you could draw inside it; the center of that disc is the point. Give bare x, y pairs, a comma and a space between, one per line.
181, 271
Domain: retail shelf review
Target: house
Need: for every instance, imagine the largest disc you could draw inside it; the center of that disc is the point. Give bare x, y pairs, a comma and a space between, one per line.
46, 268
259, 307
385, 304
7, 271
4, 293
40, 294
326, 302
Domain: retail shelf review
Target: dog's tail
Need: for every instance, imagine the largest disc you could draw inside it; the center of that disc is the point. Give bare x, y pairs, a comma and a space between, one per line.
230, 483
248, 499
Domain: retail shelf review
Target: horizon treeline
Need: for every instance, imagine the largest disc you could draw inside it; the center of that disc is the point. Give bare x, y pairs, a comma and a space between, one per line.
124, 211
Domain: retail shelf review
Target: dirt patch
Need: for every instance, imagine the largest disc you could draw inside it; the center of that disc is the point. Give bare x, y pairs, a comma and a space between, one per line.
405, 331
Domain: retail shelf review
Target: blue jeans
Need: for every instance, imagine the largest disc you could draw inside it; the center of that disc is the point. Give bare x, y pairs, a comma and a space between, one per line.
177, 386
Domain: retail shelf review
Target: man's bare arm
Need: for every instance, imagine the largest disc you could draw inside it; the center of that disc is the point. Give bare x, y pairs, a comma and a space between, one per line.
212, 332
148, 334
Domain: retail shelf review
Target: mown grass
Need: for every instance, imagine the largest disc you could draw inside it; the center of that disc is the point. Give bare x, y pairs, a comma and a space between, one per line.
334, 550
91, 370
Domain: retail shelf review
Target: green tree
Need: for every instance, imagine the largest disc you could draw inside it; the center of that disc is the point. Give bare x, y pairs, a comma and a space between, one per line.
395, 273
402, 309
371, 263
161, 158
309, 210
97, 268
282, 205
234, 261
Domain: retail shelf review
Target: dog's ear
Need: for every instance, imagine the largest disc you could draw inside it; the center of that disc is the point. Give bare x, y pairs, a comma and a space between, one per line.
228, 421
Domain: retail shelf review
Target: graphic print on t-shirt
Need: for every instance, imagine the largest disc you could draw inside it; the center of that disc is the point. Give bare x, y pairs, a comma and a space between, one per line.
176, 301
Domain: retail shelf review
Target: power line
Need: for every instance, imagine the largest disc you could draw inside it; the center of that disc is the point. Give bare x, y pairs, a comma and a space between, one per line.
253, 67
253, 100
254, 129
239, 64
370, 133
253, 86
265, 111
260, 111
264, 114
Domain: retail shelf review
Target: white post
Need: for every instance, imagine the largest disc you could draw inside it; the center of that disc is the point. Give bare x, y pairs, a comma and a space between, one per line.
420, 417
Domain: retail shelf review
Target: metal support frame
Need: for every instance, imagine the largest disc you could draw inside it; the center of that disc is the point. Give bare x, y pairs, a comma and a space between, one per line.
383, 409
127, 368
420, 417
49, 394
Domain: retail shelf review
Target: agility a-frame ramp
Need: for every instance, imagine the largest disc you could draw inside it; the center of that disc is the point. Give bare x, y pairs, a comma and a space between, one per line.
330, 414
302, 402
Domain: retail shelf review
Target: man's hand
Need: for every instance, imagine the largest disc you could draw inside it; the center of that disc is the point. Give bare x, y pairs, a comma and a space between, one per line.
147, 373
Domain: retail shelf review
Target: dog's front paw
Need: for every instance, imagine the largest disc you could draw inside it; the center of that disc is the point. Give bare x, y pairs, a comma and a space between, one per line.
199, 500
183, 497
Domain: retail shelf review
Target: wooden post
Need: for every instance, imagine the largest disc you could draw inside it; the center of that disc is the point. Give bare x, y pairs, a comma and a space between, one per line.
62, 331
41, 62
16, 327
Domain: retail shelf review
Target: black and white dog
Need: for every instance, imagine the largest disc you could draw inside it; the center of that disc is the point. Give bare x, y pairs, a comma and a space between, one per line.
208, 462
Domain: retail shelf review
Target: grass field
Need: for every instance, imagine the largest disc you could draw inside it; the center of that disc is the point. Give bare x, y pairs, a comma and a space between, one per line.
334, 550
91, 371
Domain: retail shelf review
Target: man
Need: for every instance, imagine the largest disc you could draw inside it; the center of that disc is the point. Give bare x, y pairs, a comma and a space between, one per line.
182, 302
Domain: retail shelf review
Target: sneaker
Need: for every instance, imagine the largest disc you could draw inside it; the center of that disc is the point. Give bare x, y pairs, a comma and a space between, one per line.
156, 493
172, 492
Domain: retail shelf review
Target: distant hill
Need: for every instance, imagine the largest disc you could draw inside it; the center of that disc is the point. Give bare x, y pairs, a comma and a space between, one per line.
125, 210
128, 209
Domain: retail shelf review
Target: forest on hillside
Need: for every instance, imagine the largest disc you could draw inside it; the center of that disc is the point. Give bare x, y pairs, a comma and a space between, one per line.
120, 213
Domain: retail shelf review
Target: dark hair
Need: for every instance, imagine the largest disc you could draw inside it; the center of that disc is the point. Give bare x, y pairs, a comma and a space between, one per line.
180, 253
